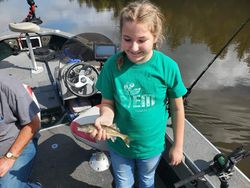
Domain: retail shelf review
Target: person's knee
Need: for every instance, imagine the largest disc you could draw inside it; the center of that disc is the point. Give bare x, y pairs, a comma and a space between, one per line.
147, 181
124, 183
9, 180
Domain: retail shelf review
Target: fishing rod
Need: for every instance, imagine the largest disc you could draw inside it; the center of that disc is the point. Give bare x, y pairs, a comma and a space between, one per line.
222, 166
213, 60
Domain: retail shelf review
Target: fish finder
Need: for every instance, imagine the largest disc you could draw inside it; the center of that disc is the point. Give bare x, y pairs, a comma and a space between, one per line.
104, 51
35, 42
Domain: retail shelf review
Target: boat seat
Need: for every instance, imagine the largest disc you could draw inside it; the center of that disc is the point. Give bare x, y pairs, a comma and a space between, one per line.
24, 27
28, 27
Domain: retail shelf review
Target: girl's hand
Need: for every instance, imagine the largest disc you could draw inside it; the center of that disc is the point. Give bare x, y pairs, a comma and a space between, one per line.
100, 133
106, 118
175, 155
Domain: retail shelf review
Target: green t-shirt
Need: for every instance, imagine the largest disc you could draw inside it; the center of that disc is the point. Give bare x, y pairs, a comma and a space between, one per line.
139, 92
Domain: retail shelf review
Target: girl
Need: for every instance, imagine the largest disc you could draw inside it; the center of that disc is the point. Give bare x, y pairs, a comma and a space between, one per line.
135, 85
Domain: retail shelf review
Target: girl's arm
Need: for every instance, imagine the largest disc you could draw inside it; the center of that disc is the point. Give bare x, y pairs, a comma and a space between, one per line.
178, 117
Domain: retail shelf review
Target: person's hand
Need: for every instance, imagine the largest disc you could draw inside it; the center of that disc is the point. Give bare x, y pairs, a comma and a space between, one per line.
175, 155
5, 165
100, 133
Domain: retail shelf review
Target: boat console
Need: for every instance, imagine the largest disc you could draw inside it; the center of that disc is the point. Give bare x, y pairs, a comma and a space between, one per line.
79, 67
61, 68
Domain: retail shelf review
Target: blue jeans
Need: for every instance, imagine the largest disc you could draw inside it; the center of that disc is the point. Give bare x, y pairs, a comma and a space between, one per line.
18, 175
124, 168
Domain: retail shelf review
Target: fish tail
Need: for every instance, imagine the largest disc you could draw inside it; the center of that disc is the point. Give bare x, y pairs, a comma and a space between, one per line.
127, 141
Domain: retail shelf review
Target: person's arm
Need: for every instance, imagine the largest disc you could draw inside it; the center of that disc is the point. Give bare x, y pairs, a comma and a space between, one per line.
106, 118
25, 135
178, 117
23, 138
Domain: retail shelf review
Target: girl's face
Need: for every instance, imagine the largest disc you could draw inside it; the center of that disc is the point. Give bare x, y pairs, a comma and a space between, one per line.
137, 42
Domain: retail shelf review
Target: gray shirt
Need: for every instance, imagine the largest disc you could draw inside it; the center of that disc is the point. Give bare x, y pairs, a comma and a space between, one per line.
17, 109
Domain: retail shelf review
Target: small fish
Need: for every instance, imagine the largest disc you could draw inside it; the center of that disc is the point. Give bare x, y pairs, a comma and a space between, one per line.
112, 131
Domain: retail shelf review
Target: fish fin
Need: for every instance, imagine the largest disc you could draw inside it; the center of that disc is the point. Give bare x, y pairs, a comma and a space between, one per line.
115, 127
112, 138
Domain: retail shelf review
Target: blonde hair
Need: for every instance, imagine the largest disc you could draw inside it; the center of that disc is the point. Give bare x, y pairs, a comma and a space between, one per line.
146, 13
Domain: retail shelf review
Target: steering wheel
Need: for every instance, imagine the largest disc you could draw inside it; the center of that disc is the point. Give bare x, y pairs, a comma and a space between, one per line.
80, 78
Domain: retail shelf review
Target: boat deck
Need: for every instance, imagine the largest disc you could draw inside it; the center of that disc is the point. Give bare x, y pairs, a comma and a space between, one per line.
63, 162
42, 83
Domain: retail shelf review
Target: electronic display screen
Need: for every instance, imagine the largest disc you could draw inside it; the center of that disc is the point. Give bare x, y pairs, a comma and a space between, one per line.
104, 51
35, 42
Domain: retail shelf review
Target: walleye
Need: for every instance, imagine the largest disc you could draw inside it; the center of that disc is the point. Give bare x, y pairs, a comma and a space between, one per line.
112, 131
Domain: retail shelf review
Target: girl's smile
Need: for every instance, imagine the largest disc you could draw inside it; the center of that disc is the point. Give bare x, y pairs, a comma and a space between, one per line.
137, 42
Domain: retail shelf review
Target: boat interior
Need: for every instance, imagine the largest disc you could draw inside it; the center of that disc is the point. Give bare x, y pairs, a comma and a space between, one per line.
62, 68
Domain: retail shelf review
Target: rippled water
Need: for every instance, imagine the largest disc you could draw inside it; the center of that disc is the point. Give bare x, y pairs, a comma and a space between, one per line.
219, 104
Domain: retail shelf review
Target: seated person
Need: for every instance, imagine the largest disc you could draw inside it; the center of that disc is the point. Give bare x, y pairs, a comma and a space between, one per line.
19, 123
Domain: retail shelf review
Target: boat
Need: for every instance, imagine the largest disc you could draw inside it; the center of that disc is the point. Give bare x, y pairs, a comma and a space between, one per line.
61, 69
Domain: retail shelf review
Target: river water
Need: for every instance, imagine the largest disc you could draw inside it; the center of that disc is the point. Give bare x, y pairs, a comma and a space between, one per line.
196, 31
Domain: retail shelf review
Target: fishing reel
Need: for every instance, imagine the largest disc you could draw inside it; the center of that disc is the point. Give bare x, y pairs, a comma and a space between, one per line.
222, 166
